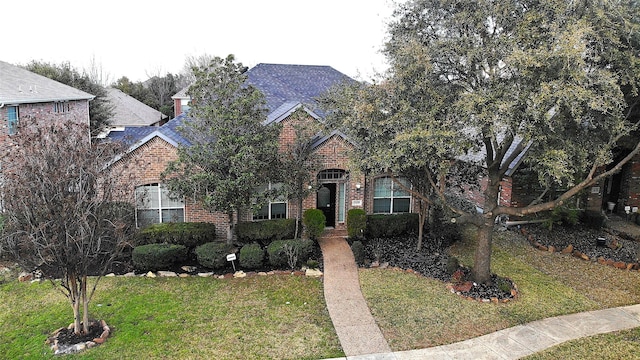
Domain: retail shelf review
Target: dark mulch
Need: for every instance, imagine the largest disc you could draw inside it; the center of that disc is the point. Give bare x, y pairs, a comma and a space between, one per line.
584, 240
434, 261
66, 337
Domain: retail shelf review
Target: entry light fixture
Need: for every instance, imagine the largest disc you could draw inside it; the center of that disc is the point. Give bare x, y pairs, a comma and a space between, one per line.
358, 186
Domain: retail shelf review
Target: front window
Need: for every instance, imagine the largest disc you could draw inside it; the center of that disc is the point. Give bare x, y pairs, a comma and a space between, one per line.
154, 204
61, 107
12, 119
274, 208
389, 197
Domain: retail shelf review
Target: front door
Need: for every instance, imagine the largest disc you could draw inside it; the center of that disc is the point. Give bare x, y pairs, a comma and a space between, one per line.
326, 201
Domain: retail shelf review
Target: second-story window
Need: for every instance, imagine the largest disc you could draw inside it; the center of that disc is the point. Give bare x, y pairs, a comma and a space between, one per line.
60, 107
13, 117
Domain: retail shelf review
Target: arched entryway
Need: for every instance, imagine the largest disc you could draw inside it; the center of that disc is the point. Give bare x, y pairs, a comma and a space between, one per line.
331, 195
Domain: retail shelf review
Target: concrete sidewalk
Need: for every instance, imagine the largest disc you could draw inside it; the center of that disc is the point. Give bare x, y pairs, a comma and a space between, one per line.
523, 340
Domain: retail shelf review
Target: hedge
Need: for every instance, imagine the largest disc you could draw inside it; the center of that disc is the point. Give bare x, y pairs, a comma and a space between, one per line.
265, 231
314, 222
356, 223
188, 234
152, 257
213, 254
278, 256
383, 225
252, 256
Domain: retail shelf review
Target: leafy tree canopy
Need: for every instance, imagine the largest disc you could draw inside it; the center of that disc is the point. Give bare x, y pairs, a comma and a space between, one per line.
231, 151
483, 82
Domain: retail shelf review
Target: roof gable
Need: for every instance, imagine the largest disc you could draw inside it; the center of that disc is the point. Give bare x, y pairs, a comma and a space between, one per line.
21, 86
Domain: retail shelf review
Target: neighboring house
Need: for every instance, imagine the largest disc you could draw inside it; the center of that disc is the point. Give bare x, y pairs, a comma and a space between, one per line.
26, 97
287, 88
130, 112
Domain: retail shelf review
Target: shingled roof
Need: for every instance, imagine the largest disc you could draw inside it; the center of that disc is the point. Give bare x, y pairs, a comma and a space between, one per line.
21, 86
129, 111
286, 88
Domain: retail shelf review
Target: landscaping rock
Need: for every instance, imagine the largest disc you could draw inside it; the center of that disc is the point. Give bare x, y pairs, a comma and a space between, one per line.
313, 273
167, 274
150, 274
239, 274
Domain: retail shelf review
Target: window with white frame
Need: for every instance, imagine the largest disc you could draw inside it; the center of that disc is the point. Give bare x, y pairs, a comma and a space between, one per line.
13, 118
273, 209
389, 197
154, 204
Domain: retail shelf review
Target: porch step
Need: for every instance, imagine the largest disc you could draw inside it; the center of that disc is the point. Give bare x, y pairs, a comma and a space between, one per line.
331, 232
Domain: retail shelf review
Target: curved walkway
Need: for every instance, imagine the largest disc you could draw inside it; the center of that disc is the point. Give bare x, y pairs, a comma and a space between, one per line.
361, 339
357, 330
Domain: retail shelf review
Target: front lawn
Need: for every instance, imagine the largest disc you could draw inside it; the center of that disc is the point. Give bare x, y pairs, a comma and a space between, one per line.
270, 317
416, 312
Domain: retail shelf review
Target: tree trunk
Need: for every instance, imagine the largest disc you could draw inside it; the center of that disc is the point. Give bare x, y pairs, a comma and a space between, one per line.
85, 305
298, 219
230, 228
423, 211
75, 303
481, 272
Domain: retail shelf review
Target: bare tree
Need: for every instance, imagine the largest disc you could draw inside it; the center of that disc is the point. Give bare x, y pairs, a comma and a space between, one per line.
63, 208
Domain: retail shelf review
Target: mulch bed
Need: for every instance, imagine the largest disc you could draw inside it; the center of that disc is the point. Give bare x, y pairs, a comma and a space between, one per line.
604, 246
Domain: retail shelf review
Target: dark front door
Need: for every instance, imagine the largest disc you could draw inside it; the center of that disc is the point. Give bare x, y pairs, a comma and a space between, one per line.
326, 201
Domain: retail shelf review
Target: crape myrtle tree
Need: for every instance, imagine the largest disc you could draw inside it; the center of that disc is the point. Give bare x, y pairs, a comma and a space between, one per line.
484, 82
231, 152
64, 213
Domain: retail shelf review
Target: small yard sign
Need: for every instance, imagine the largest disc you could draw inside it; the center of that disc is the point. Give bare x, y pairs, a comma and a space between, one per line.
232, 257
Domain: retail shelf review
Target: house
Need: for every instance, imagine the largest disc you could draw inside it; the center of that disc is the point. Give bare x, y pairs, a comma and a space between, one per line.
26, 97
287, 88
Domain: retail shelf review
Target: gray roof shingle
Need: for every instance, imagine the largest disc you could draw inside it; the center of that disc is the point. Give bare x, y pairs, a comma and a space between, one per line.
20, 86
129, 111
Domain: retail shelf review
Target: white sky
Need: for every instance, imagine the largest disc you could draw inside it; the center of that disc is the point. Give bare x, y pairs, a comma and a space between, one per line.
136, 38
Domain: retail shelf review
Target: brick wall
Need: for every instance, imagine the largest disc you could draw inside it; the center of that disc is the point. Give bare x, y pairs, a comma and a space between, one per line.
146, 163
30, 113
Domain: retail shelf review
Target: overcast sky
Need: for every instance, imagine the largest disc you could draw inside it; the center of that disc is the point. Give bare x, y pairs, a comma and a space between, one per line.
136, 38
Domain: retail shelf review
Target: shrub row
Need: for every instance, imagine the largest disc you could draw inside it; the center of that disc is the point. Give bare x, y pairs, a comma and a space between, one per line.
382, 225
152, 257
265, 231
190, 235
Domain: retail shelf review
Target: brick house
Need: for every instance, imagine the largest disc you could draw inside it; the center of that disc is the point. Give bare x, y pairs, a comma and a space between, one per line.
287, 88
26, 97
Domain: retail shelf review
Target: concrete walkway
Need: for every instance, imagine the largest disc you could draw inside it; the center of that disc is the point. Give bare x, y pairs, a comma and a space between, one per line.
361, 339
357, 330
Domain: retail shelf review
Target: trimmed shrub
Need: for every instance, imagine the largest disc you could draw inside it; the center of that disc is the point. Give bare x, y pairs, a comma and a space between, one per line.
251, 256
152, 257
265, 231
188, 234
356, 223
314, 222
280, 252
213, 254
383, 225
358, 252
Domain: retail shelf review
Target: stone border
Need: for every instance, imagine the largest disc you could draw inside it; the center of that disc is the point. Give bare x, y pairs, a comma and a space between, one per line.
569, 250
79, 347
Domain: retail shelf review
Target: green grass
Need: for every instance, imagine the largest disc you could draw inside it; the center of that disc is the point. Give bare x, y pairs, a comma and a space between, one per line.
415, 312
274, 317
614, 346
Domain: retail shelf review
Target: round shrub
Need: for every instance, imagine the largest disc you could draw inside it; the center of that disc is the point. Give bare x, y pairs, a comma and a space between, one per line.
282, 252
314, 222
356, 223
152, 257
251, 256
213, 254
358, 252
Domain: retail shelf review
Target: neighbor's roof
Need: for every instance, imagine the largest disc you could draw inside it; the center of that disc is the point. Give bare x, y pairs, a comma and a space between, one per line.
135, 137
20, 86
129, 111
